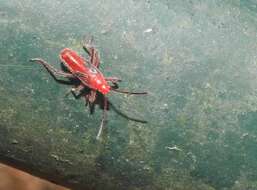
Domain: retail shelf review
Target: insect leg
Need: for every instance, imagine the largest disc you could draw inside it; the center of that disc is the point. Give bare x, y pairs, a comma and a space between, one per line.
91, 101
53, 72
76, 92
92, 52
92, 96
114, 81
87, 101
87, 45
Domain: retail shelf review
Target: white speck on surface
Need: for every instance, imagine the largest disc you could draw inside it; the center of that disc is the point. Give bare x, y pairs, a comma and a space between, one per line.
173, 148
148, 30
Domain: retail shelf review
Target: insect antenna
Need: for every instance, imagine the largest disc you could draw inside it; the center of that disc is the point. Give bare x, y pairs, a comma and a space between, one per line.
127, 92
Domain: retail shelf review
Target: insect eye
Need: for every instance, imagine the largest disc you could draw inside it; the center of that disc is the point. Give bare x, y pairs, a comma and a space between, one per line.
93, 70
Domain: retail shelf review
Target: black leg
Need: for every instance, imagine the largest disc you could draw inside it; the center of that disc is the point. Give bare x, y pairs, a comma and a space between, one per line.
54, 72
92, 52
91, 99
87, 45
76, 92
115, 86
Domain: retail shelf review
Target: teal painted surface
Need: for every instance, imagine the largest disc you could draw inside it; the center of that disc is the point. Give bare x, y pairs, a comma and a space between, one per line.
197, 59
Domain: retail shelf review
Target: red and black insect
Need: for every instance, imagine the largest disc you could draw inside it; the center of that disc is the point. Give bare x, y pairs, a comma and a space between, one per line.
87, 79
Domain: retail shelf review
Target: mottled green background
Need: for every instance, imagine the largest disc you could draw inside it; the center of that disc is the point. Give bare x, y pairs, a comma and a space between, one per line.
196, 58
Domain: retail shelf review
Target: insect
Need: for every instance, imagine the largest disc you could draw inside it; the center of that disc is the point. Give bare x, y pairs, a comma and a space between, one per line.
87, 80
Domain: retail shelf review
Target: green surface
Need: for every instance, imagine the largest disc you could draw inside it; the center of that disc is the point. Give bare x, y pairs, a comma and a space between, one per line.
197, 59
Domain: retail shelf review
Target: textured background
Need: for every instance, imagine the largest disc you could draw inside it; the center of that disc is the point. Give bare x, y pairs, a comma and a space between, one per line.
196, 58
